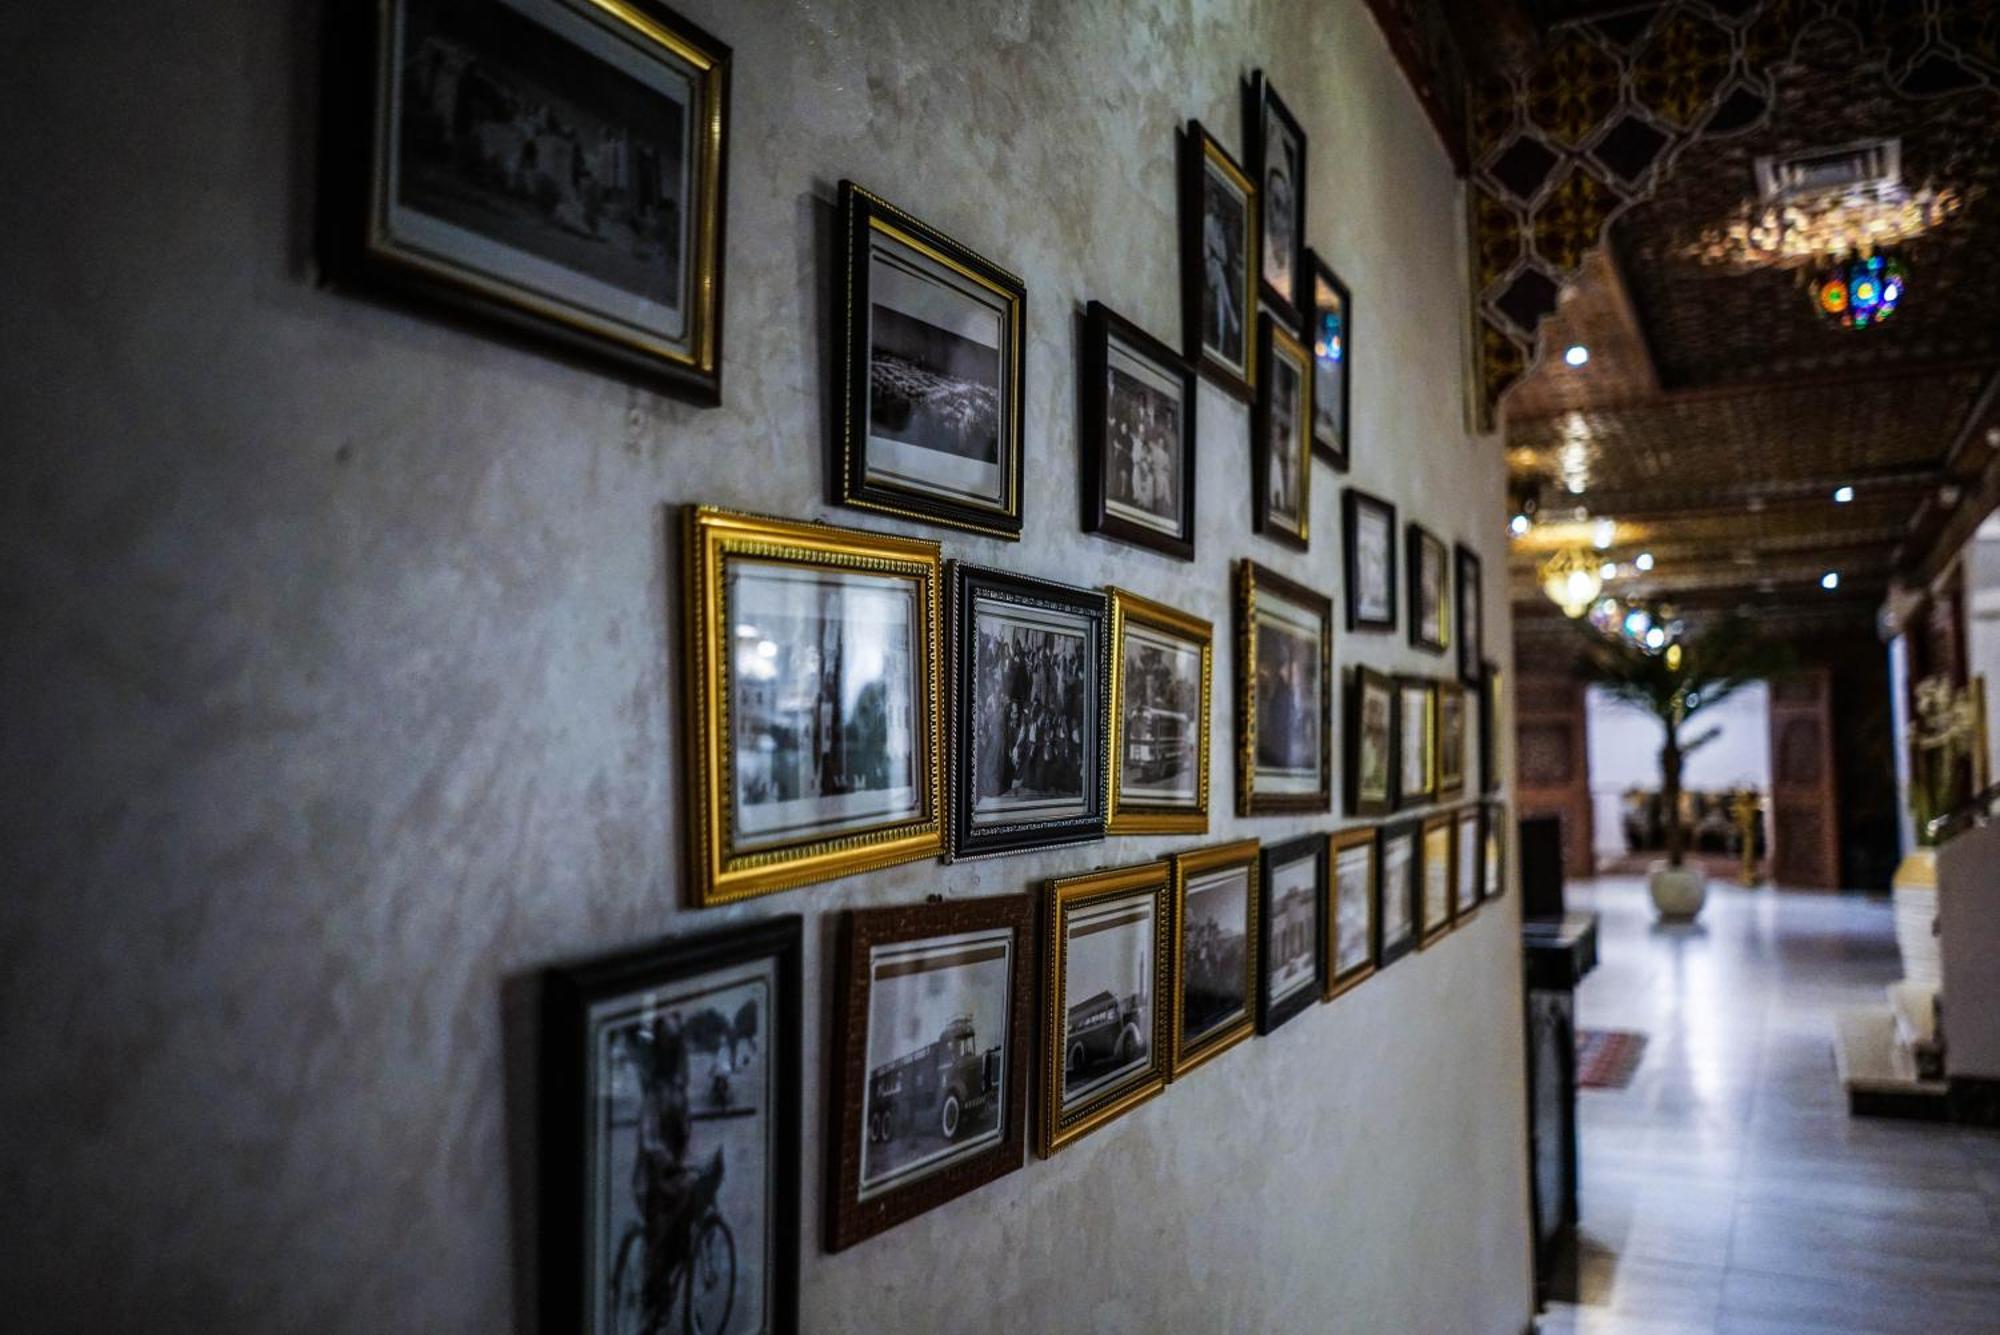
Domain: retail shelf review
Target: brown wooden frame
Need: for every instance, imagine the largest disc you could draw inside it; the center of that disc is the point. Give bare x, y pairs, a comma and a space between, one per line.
1250, 577
1243, 853
1341, 841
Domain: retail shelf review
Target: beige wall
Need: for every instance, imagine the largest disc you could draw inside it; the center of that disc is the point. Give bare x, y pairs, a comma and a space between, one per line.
336, 641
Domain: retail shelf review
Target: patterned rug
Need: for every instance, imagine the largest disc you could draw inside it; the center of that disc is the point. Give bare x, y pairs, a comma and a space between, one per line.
1606, 1058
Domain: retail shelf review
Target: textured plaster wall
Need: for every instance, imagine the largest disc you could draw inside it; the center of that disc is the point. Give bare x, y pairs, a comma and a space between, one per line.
339, 691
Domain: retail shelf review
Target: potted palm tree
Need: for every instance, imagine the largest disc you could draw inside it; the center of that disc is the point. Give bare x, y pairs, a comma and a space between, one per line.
1676, 682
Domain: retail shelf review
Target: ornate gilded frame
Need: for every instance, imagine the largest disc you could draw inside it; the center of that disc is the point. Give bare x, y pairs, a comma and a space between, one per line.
1199, 150
1057, 1129
1250, 577
717, 874
1451, 697
1439, 829
1128, 608
1275, 341
1426, 757
1337, 843
1242, 853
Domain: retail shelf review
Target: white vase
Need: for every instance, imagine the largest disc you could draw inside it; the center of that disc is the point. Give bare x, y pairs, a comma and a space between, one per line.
1678, 892
1916, 901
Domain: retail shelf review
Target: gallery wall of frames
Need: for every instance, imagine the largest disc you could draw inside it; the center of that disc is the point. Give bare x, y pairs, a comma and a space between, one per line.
914, 687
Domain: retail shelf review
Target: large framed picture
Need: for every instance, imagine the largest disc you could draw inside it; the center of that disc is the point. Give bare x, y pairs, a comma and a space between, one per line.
929, 425
555, 165
1416, 763
1430, 595
1219, 271
933, 1027
1281, 458
1292, 974
1138, 436
1161, 673
1354, 890
1030, 674
1451, 739
1329, 332
670, 1129
1278, 166
1368, 525
1471, 851
1371, 743
1437, 871
1107, 952
1216, 945
812, 685
1468, 588
1399, 851
1284, 665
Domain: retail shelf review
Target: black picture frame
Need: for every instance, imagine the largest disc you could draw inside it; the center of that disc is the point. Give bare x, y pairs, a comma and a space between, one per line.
1276, 343
1102, 328
572, 995
1391, 944
1361, 682
1272, 1010
1430, 629
1200, 153
381, 233
973, 588
1489, 715
1264, 111
1467, 588
1353, 502
924, 254
1328, 333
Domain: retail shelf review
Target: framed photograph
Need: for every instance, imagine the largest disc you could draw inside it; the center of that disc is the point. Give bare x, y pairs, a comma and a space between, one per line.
1215, 951
812, 683
1161, 669
1030, 674
929, 426
1368, 525
1137, 436
1278, 166
1493, 827
1452, 735
1490, 696
1436, 874
1281, 458
1284, 665
1430, 602
1353, 864
1471, 850
1218, 262
1292, 974
1371, 743
1329, 326
670, 1126
1107, 956
555, 165
933, 1027
1416, 763
1468, 589
1399, 852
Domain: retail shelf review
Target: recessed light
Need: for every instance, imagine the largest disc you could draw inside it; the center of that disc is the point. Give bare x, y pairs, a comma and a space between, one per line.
1606, 534
1842, 495
1609, 570
1518, 525
1644, 560
1830, 580
1576, 354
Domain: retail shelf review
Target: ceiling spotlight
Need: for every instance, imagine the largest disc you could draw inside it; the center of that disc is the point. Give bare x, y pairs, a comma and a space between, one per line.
1644, 560
1842, 495
1830, 580
1576, 354
1609, 570
1606, 534
1518, 525
1655, 638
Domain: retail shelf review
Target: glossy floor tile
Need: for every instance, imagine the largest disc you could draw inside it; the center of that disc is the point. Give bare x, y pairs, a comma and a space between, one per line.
1726, 1189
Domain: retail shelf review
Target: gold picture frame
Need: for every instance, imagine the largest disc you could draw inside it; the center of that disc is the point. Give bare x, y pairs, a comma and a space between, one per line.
1108, 1026
1437, 877
1259, 794
1416, 764
1221, 1035
1133, 814
1343, 844
723, 867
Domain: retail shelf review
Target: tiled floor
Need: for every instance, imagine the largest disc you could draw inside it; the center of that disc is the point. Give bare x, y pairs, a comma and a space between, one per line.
1726, 1189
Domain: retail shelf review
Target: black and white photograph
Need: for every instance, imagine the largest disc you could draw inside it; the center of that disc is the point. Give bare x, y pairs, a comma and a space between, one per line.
1278, 164
1416, 764
1368, 525
1219, 273
1286, 698
1397, 934
1160, 690
1469, 588
1215, 944
1138, 436
1353, 892
1452, 737
1282, 459
1293, 886
1430, 595
1435, 877
560, 165
1371, 752
933, 361
1329, 334
1108, 982
1471, 862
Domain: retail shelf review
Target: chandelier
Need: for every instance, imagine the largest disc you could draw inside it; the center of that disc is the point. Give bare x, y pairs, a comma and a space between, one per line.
1572, 582
1861, 290
1804, 233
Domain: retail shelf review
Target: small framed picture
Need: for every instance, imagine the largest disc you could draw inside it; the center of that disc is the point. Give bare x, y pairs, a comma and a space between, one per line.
1281, 461
1030, 674
1107, 953
1161, 669
813, 687
1416, 764
1353, 862
1494, 829
1284, 665
1215, 951
670, 1124
1430, 601
1278, 166
1490, 696
553, 165
1329, 332
1368, 525
1469, 589
1452, 736
1219, 271
929, 425
1292, 975
933, 1026
1471, 851
1399, 852
1437, 871
1138, 436
1371, 743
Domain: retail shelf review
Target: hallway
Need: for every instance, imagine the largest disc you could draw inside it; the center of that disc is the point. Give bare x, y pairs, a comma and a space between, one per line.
1726, 1189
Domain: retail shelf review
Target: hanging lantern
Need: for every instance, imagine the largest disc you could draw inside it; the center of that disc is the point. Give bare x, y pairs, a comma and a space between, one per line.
1861, 290
1572, 582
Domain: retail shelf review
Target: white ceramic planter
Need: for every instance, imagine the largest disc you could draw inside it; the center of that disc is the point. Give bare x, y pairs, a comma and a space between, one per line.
1677, 894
